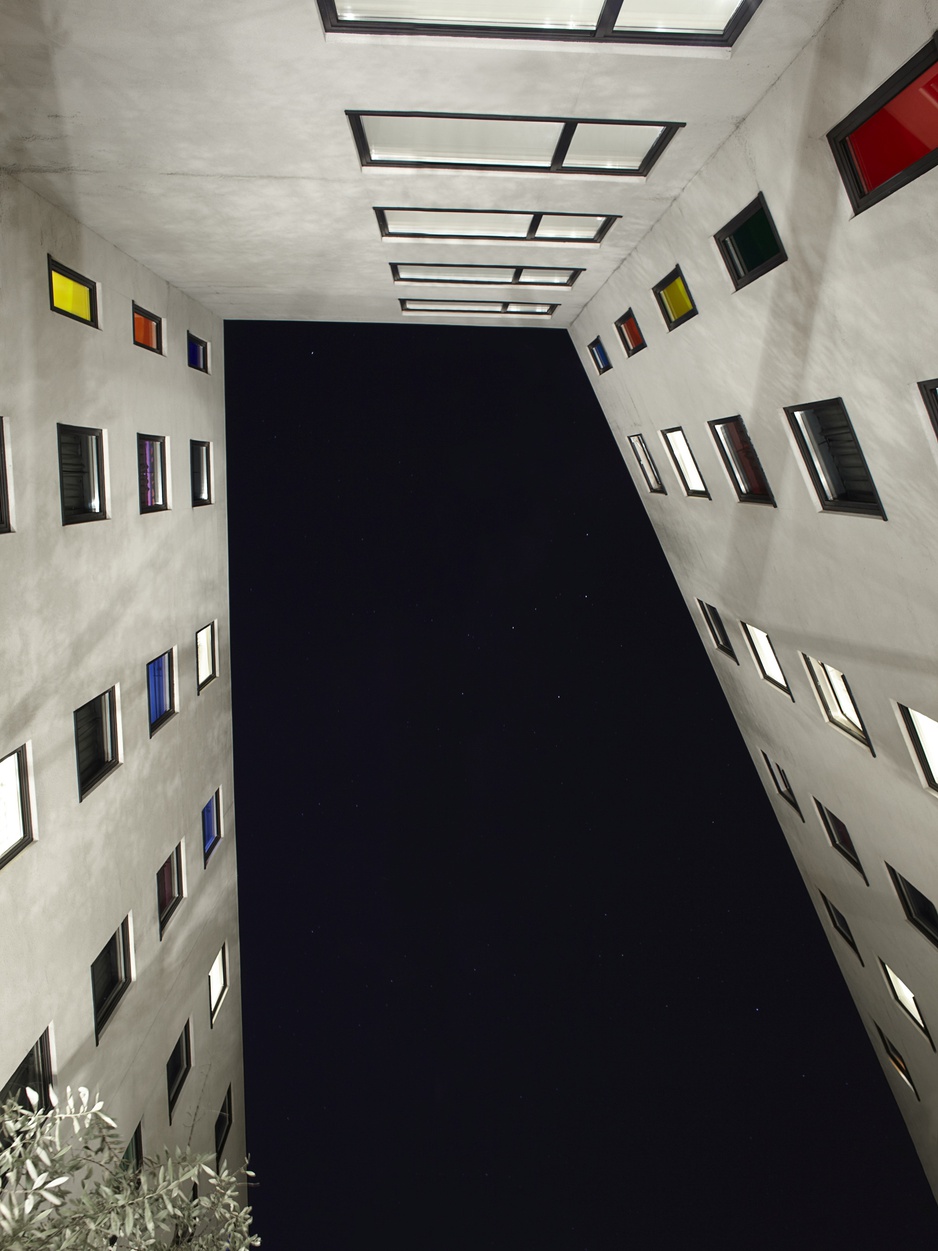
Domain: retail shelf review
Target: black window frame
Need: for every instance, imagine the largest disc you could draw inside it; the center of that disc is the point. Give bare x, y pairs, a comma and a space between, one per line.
204, 346
595, 347
840, 923
626, 316
109, 757
753, 456
156, 320
781, 783
73, 274
717, 627
569, 124
931, 781
660, 489
196, 476
656, 291
171, 710
698, 495
200, 686
732, 259
604, 31
837, 137
929, 393
866, 508
609, 220
847, 850
897, 1060
165, 914
176, 1081
912, 910
6, 523
132, 1159
509, 308
208, 852
28, 835
72, 516
514, 281
142, 440
38, 1064
105, 1009
223, 1127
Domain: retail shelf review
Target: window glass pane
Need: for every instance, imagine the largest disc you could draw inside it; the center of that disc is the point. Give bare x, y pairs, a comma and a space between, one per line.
198, 353
69, 296
564, 14
927, 731
151, 473
461, 140
528, 308
205, 654
753, 243
680, 450
766, 654
740, 457
609, 146
676, 299
559, 277
12, 826
630, 332
80, 473
676, 15
454, 306
217, 979
209, 825
456, 273
834, 454
464, 225
646, 464
159, 686
899, 134
146, 331
904, 995
558, 226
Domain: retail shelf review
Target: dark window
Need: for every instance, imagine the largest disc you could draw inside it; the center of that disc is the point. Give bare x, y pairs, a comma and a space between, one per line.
132, 1159
81, 474
197, 352
160, 690
646, 464
211, 825
200, 463
169, 886
16, 828
918, 907
782, 785
35, 1071
632, 338
72, 294
483, 308
839, 837
600, 355
742, 463
895, 1059
177, 1068
222, 1126
96, 740
892, 137
923, 734
749, 244
110, 976
495, 224
674, 299
833, 457
841, 925
151, 470
929, 390
148, 329
5, 524
717, 629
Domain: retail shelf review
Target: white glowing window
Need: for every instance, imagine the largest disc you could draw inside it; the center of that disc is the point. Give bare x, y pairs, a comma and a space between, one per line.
706, 16
218, 980
684, 462
548, 277
598, 146
923, 732
489, 275
765, 657
835, 697
461, 140
554, 14
15, 830
569, 226
205, 654
452, 224
489, 308
903, 994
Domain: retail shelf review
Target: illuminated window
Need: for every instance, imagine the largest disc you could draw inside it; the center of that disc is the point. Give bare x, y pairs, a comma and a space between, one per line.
839, 837
111, 976
749, 244
72, 294
211, 825
918, 908
841, 925
151, 472
836, 699
485, 308
178, 1067
903, 996
200, 468
206, 658
600, 355
646, 464
492, 224
196, 352
218, 981
684, 462
222, 1126
764, 655
892, 137
721, 640
833, 457
6, 524
81, 474
16, 828
742, 463
632, 338
148, 329
674, 299
523, 144
485, 275
895, 1059
169, 886
96, 745
782, 785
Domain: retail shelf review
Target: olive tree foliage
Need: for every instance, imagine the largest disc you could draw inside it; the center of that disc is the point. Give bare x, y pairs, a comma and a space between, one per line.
65, 1186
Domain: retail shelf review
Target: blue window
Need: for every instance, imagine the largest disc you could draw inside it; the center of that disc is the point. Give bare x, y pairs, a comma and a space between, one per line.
160, 690
600, 355
198, 352
211, 825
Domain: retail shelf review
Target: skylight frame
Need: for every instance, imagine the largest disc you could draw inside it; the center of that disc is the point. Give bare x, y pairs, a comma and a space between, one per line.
514, 281
609, 220
509, 308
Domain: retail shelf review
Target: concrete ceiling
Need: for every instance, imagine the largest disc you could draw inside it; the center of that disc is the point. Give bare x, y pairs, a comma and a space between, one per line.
211, 143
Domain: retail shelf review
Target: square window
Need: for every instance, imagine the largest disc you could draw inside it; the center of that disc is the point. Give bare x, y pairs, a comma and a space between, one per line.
151, 470
742, 463
892, 137
918, 908
200, 464
923, 733
684, 462
96, 744
836, 699
632, 338
211, 825
839, 837
646, 464
148, 330
222, 1126
841, 925
721, 640
81, 474
218, 982
72, 294
896, 1060
766, 660
178, 1067
169, 886
16, 827
674, 299
132, 1159
6, 524
782, 785
749, 244
600, 355
196, 352
34, 1072
833, 458
206, 667
110, 976
160, 690
903, 995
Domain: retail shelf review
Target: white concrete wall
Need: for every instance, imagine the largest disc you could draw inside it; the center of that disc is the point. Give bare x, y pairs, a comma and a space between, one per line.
83, 608
848, 315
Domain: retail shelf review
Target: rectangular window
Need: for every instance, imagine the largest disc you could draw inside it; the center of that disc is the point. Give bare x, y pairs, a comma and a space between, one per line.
841, 925
196, 352
684, 462
918, 908
178, 1067
96, 746
903, 996
151, 472
492, 224
200, 465
211, 825
6, 525
674, 299
896, 1060
111, 976
929, 392
892, 137
206, 667
923, 734
833, 458
160, 690
222, 1126
521, 144
485, 308
16, 827
721, 640
632, 338
34, 1072
218, 982
766, 660
836, 700
840, 838
72, 294
484, 275
169, 886
148, 329
749, 244
600, 355
132, 1159
81, 474
646, 464
742, 463
782, 785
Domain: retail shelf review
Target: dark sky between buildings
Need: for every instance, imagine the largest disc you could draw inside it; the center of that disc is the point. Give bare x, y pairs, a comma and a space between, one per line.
526, 960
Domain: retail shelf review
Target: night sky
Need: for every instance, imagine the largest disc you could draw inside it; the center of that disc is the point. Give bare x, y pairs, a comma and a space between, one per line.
526, 960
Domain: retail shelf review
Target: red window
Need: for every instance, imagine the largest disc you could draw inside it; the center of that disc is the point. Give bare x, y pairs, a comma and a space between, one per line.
632, 338
147, 330
900, 133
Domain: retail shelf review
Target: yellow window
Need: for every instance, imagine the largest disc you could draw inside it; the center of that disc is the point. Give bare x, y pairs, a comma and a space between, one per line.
677, 299
73, 295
